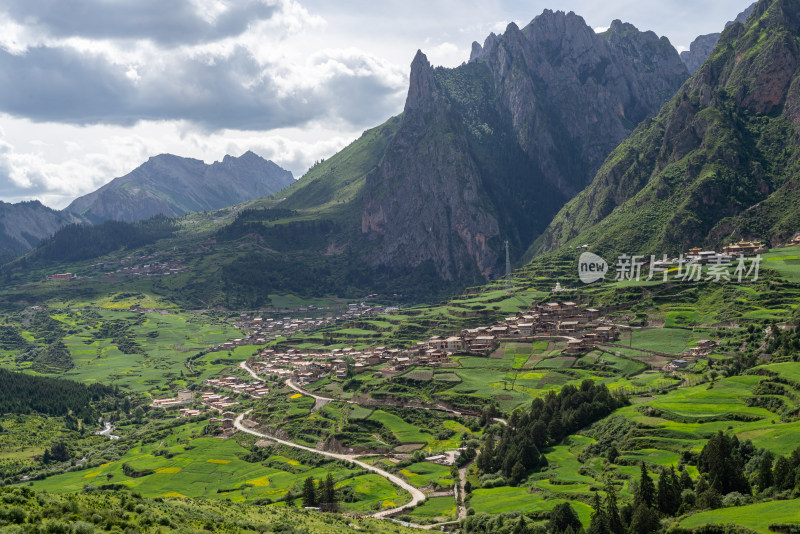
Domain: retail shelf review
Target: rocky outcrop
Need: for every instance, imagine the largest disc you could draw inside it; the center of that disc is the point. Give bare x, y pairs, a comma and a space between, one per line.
702, 46
719, 162
174, 186
489, 151
23, 225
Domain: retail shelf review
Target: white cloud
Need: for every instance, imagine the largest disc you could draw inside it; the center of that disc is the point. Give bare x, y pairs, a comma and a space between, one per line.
446, 54
35, 162
89, 96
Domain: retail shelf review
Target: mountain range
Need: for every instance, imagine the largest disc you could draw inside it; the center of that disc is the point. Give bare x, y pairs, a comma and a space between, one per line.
551, 135
482, 154
719, 162
23, 225
487, 152
164, 185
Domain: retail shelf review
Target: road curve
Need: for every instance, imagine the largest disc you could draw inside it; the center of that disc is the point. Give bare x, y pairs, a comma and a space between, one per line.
243, 365
417, 496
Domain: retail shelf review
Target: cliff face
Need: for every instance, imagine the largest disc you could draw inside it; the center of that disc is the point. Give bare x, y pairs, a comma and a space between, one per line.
702, 46
720, 160
489, 151
23, 225
174, 186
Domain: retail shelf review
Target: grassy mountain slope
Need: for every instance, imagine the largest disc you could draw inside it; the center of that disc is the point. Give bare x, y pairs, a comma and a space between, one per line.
719, 160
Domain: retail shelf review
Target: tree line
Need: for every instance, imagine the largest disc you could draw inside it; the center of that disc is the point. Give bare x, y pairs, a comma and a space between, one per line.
76, 242
545, 423
322, 495
22, 394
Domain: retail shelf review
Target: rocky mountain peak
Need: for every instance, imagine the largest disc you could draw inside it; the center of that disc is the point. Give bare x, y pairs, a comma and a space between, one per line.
702, 46
421, 84
171, 185
489, 150
719, 160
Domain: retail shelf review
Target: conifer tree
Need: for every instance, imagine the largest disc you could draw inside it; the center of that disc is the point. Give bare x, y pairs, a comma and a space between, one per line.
765, 478
644, 520
646, 492
329, 491
612, 510
309, 493
599, 524
669, 492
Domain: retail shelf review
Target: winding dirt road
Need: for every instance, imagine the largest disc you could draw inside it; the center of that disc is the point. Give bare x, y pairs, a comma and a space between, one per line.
417, 496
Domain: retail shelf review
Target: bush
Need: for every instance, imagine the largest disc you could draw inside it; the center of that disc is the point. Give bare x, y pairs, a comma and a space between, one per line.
82, 527
733, 498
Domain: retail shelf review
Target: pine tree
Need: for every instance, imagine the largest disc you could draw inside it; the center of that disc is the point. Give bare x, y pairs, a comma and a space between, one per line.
669, 492
646, 492
686, 479
599, 524
517, 472
563, 518
309, 493
644, 520
612, 510
765, 478
783, 474
520, 527
329, 491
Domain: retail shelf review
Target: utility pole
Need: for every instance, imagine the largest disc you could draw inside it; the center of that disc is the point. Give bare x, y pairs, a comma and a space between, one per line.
508, 268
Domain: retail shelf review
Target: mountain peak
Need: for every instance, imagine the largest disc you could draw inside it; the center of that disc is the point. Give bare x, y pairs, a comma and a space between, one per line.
702, 46
421, 81
171, 185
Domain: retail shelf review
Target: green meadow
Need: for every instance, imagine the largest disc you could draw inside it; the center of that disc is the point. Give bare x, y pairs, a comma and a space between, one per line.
755, 516
184, 465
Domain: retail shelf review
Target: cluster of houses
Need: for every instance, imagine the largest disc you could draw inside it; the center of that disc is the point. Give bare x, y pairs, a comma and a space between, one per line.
729, 252
268, 328
239, 386
308, 367
563, 319
164, 268
702, 349
264, 328
184, 397
58, 277
217, 401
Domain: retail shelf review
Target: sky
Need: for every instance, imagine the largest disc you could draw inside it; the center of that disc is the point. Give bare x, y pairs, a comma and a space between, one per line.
90, 89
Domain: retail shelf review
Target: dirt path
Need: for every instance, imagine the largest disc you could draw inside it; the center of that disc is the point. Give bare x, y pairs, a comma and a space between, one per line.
417, 497
243, 365
319, 401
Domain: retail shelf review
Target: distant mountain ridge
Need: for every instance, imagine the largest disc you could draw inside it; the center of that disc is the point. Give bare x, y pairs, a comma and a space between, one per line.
702, 46
24, 224
174, 186
164, 185
719, 162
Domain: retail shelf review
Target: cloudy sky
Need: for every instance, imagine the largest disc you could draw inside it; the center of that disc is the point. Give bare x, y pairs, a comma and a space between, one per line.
90, 89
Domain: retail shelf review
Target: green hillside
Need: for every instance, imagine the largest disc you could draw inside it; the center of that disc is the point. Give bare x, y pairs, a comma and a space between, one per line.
720, 160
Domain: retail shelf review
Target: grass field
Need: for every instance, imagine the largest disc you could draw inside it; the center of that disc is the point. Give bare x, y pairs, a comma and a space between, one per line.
212, 468
167, 338
519, 499
404, 432
755, 516
440, 509
668, 340
423, 473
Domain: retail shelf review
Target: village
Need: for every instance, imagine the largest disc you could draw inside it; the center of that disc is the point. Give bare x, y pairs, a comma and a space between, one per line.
565, 320
260, 330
